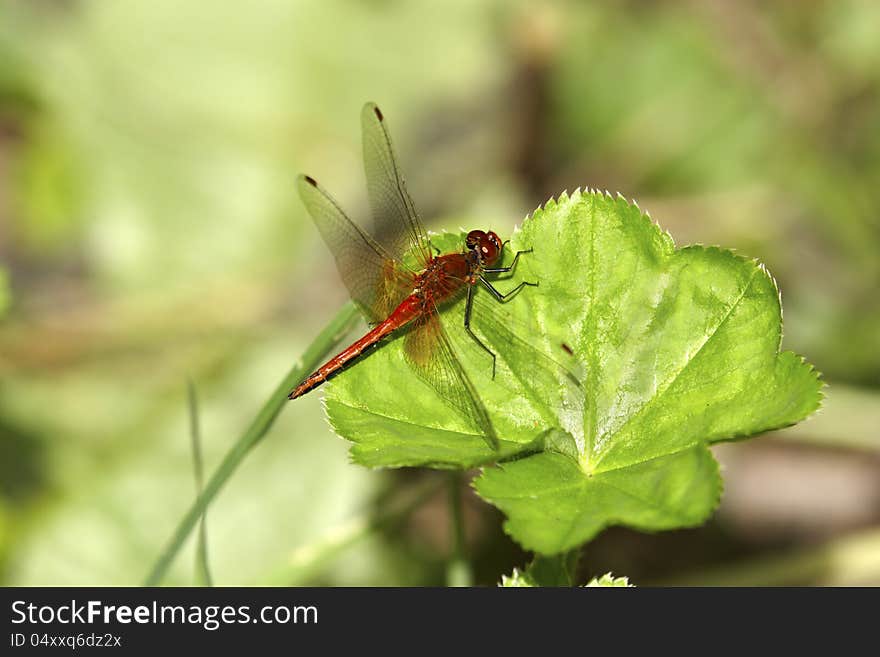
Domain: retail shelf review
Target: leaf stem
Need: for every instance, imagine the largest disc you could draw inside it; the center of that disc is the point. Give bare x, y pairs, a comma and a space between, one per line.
338, 327
554, 570
458, 572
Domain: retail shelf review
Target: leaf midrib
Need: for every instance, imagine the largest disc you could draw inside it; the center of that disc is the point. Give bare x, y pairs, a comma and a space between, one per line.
591, 422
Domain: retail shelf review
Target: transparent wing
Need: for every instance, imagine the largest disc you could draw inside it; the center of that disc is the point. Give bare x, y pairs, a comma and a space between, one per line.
428, 351
551, 384
509, 325
376, 280
533, 358
397, 225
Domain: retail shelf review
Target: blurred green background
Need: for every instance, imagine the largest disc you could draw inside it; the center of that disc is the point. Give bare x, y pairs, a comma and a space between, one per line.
149, 232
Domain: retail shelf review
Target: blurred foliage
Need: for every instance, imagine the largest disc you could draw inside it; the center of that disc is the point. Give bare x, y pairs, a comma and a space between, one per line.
4, 292
149, 231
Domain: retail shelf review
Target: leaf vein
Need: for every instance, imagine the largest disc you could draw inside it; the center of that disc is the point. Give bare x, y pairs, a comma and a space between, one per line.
666, 385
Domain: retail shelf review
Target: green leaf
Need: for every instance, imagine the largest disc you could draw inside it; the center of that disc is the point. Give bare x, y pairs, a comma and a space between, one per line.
609, 580
556, 570
552, 504
676, 349
516, 579
525, 579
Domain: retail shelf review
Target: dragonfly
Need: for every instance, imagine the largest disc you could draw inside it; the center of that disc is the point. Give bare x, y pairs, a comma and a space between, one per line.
396, 297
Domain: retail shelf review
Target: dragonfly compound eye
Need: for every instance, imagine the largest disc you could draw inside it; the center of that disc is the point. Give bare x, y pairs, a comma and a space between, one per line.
474, 238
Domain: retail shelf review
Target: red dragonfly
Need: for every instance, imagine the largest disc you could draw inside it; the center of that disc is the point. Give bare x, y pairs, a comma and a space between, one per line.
393, 295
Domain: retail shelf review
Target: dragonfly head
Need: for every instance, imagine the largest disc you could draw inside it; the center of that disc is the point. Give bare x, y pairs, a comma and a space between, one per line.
487, 245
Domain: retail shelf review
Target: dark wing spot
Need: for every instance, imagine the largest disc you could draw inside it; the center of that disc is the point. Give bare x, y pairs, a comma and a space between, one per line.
378, 113
310, 180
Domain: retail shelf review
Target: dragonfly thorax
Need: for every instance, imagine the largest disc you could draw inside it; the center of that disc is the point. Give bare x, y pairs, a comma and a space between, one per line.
444, 275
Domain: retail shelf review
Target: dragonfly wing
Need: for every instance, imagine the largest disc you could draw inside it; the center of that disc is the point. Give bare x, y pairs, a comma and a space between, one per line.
551, 384
376, 280
429, 352
397, 224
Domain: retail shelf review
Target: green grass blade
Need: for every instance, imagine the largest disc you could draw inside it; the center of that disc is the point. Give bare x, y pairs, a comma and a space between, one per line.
329, 337
203, 572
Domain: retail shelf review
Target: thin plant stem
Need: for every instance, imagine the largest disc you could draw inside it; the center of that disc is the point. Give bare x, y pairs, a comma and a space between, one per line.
458, 572
338, 328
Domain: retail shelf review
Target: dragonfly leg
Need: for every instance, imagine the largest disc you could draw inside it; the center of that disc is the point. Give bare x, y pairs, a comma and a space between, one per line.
505, 270
503, 298
467, 326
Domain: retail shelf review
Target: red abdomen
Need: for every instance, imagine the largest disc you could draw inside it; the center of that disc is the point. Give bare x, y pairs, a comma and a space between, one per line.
408, 310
